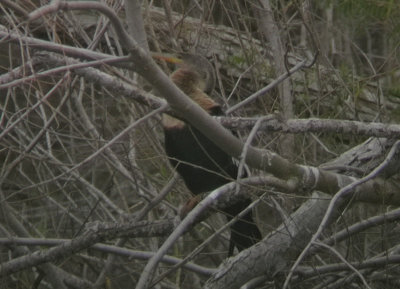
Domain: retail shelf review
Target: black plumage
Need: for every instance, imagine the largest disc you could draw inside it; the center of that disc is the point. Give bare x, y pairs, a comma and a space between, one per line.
202, 165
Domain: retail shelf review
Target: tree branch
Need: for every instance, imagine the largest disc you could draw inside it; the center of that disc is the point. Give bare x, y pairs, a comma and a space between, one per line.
140, 255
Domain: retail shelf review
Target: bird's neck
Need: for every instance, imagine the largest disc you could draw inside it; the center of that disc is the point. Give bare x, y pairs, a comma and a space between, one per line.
203, 100
170, 122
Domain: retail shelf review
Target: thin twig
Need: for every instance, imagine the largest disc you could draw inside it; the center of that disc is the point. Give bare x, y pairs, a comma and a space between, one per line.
110, 249
242, 157
358, 273
334, 203
210, 199
264, 90
200, 247
67, 67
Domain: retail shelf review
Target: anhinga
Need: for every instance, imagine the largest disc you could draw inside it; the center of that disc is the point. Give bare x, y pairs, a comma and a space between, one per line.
202, 165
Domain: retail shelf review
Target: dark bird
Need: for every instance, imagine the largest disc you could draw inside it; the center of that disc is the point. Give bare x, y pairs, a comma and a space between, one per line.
202, 165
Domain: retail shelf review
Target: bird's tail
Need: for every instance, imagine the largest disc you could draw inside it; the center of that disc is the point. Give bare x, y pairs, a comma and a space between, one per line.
244, 232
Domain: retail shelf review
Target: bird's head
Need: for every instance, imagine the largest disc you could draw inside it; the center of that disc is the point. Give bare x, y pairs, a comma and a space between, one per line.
194, 72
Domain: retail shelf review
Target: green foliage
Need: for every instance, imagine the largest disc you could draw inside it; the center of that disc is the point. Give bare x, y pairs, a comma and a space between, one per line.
394, 91
237, 60
368, 10
369, 13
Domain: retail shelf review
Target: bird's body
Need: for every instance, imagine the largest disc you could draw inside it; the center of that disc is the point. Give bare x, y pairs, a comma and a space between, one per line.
203, 165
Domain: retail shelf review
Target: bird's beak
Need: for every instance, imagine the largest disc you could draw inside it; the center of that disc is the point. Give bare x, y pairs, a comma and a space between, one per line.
167, 58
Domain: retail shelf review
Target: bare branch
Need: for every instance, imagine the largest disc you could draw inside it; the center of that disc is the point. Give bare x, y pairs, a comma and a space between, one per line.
270, 86
313, 125
337, 200
38, 44
273, 254
367, 264
135, 23
140, 255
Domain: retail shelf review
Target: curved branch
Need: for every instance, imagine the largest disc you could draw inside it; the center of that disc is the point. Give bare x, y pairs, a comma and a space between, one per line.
217, 195
86, 5
270, 86
273, 254
337, 200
